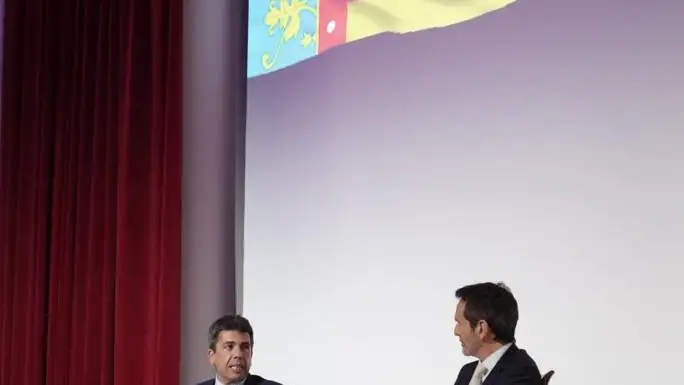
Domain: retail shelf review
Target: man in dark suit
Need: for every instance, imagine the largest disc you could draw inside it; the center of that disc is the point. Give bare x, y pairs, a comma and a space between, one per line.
486, 317
231, 339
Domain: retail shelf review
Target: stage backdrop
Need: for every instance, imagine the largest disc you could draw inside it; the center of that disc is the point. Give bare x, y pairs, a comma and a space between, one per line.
539, 144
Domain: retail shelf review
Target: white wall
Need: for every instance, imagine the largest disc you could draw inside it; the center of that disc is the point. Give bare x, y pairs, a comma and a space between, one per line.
353, 281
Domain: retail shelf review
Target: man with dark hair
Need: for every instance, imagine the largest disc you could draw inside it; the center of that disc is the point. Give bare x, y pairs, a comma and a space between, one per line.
486, 317
231, 339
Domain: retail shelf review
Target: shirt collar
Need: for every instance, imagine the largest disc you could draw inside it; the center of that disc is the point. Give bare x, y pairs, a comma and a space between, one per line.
218, 382
493, 358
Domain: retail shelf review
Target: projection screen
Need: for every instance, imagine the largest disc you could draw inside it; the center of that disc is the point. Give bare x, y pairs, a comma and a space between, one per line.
397, 150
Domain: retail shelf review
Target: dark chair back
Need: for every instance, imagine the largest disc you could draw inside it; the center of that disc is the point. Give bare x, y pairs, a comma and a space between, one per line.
547, 377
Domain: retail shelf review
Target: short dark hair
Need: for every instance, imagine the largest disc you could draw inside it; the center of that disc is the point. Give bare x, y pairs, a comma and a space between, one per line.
229, 323
493, 303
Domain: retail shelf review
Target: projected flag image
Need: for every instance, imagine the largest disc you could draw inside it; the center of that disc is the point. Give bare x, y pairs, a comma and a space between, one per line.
283, 33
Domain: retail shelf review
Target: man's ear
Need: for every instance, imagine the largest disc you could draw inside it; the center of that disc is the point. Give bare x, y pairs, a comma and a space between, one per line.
210, 356
483, 329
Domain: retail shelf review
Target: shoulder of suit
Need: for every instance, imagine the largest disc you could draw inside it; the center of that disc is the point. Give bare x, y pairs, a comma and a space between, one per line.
520, 360
520, 354
269, 382
258, 380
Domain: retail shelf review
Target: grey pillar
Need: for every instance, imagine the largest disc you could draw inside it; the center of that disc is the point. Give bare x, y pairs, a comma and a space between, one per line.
214, 68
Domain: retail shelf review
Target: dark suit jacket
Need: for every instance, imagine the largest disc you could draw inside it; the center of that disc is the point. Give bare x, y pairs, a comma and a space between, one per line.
515, 367
251, 380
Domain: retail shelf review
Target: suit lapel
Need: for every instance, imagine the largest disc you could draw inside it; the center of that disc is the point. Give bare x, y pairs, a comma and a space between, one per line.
253, 380
464, 378
496, 372
500, 366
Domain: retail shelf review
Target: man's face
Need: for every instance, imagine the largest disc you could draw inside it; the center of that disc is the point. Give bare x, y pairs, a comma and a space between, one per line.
232, 357
470, 338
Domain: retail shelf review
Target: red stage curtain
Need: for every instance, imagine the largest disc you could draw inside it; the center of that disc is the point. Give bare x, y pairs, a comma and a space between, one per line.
90, 192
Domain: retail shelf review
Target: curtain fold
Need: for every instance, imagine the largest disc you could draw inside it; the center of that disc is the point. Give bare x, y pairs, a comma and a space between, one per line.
90, 192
